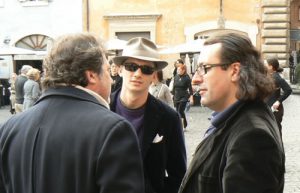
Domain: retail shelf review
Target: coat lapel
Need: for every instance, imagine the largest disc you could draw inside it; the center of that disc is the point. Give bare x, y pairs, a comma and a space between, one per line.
151, 119
199, 157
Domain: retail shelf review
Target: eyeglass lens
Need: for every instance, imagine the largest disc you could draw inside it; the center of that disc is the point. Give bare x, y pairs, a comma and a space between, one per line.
132, 67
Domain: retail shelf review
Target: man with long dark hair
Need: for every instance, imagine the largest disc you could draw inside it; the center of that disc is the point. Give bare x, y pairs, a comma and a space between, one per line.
242, 150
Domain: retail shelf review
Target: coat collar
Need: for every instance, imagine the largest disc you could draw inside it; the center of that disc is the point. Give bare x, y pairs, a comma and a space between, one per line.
72, 92
153, 115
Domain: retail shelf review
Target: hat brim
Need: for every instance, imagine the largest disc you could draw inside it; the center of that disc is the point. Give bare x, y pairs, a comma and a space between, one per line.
160, 64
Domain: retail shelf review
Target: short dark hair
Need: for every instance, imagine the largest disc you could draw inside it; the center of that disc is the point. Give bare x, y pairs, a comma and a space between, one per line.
179, 61
275, 64
69, 58
160, 75
254, 82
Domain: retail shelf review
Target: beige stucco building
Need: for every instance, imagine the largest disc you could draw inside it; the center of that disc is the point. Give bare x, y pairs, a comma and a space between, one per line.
173, 22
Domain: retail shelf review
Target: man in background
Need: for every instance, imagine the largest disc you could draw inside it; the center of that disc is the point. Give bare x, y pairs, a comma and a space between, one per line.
116, 78
19, 85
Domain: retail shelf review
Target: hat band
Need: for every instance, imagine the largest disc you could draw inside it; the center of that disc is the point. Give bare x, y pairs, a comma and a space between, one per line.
141, 53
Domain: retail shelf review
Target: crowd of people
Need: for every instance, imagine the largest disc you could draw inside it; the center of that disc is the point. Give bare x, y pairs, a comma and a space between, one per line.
93, 125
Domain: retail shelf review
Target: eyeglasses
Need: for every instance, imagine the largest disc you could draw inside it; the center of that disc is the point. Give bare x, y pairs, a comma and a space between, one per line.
132, 67
203, 69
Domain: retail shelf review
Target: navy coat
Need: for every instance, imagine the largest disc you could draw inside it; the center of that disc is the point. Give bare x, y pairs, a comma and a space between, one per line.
69, 143
165, 161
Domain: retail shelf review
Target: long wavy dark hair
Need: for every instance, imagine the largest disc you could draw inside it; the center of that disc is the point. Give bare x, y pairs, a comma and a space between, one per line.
69, 58
254, 82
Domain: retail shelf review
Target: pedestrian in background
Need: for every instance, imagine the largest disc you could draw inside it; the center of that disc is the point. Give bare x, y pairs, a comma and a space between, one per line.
32, 90
171, 82
282, 91
114, 73
12, 90
182, 92
19, 87
242, 150
69, 141
160, 90
157, 124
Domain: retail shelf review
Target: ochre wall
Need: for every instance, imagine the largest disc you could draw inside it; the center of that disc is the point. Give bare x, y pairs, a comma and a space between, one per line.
176, 14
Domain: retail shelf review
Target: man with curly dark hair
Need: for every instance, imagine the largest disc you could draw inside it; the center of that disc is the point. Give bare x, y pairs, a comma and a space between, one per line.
242, 150
70, 141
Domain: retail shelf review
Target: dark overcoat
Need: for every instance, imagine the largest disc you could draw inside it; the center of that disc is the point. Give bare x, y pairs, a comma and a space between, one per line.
69, 143
164, 161
245, 155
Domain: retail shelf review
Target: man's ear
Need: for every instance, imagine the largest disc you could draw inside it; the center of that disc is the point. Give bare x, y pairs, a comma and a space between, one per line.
235, 71
91, 76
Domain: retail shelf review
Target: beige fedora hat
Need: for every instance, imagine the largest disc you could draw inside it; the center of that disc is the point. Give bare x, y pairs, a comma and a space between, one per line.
143, 49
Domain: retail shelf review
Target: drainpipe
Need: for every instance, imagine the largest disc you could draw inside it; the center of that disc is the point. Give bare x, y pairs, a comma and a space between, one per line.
87, 15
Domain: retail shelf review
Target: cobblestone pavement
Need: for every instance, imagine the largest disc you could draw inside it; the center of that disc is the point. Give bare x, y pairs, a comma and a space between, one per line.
198, 122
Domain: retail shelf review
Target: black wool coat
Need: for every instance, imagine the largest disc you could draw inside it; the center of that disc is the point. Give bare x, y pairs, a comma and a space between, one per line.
164, 161
243, 155
69, 143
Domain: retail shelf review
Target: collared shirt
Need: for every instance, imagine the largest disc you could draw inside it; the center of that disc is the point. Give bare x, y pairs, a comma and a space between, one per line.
219, 117
94, 94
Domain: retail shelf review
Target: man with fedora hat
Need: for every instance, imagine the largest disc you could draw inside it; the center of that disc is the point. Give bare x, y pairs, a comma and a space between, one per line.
157, 125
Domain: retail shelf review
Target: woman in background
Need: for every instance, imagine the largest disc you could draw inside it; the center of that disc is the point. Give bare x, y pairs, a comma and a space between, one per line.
32, 89
160, 90
182, 92
277, 97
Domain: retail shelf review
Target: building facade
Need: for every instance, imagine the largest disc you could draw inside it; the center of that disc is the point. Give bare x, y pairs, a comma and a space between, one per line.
173, 22
31, 24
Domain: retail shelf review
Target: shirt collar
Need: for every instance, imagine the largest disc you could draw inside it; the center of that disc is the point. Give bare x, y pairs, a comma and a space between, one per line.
218, 117
94, 94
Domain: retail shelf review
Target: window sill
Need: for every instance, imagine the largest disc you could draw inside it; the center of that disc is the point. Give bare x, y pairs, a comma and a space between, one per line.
35, 3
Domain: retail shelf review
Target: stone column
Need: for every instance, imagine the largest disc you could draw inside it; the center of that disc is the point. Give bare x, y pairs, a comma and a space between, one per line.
275, 29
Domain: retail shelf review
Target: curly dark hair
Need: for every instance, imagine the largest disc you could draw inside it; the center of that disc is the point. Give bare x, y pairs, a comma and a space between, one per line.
254, 82
69, 58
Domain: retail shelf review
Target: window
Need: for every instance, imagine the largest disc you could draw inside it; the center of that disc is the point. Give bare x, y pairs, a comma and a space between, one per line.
129, 35
37, 42
128, 26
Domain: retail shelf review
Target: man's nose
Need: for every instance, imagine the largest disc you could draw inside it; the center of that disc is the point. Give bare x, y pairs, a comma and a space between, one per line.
197, 79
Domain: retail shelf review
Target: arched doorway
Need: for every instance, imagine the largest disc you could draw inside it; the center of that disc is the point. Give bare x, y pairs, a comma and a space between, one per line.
35, 42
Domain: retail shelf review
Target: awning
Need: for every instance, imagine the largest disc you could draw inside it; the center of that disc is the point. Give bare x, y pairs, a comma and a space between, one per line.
21, 53
188, 47
115, 44
11, 50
